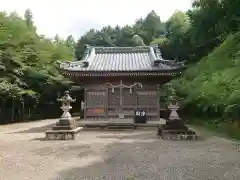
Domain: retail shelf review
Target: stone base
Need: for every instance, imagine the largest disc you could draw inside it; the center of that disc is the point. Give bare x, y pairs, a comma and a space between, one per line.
175, 124
66, 122
63, 128
62, 134
177, 134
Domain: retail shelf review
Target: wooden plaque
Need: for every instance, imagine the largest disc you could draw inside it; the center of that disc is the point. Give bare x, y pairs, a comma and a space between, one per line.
140, 116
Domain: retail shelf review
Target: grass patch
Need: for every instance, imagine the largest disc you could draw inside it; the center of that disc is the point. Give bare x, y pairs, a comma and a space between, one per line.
228, 129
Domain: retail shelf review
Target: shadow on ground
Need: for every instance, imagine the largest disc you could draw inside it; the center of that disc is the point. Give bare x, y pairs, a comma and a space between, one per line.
119, 162
39, 129
137, 135
155, 160
77, 150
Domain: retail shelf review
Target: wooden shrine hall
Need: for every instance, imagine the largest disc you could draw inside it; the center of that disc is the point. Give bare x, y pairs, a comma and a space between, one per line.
121, 82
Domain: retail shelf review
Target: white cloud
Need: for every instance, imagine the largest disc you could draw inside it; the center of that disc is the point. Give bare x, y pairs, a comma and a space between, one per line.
75, 17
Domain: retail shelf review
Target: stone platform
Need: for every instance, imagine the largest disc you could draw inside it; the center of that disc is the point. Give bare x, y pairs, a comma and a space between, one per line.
120, 122
62, 134
176, 129
177, 134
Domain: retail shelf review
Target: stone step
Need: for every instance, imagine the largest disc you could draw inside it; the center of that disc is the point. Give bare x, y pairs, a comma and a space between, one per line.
120, 127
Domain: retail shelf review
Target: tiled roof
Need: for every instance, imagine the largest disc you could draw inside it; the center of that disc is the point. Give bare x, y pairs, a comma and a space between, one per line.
141, 58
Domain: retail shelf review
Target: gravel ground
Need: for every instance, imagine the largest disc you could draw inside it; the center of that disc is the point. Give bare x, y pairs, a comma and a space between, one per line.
105, 155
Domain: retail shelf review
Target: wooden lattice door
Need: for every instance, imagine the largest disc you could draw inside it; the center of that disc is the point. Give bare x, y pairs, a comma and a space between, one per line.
147, 100
96, 104
129, 102
114, 104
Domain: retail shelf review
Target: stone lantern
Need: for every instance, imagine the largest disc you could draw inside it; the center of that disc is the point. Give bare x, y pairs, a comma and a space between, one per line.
174, 122
66, 120
173, 107
175, 127
65, 128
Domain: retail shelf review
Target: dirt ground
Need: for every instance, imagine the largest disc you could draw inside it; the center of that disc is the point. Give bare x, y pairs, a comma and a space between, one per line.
102, 155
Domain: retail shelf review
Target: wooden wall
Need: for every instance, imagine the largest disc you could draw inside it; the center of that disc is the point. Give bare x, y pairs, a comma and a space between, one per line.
101, 102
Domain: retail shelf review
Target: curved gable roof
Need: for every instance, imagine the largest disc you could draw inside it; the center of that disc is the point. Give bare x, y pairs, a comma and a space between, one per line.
120, 59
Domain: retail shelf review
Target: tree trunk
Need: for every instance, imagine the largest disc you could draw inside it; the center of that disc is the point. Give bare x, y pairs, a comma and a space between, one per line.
13, 109
23, 110
29, 113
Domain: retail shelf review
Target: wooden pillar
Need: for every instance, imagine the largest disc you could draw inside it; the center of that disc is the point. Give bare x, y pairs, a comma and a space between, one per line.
158, 101
85, 102
106, 102
121, 97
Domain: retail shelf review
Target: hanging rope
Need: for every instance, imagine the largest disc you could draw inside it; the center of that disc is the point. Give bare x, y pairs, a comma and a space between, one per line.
123, 86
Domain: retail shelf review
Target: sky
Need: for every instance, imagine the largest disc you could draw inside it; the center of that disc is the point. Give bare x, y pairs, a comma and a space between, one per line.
66, 17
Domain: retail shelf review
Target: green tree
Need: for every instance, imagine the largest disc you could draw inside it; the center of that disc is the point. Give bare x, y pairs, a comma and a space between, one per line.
28, 17
28, 67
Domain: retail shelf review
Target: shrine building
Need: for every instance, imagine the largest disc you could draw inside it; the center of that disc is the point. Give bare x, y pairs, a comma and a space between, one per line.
118, 81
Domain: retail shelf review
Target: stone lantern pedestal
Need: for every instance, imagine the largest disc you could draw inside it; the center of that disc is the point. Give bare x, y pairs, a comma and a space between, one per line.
65, 128
174, 122
175, 127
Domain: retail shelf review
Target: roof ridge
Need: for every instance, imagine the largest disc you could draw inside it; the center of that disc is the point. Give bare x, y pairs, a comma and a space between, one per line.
120, 47
136, 49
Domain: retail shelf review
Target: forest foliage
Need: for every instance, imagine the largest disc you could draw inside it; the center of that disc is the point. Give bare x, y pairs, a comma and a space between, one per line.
29, 73
211, 87
30, 80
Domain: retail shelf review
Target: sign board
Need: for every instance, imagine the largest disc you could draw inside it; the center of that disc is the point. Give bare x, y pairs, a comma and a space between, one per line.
96, 111
140, 116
